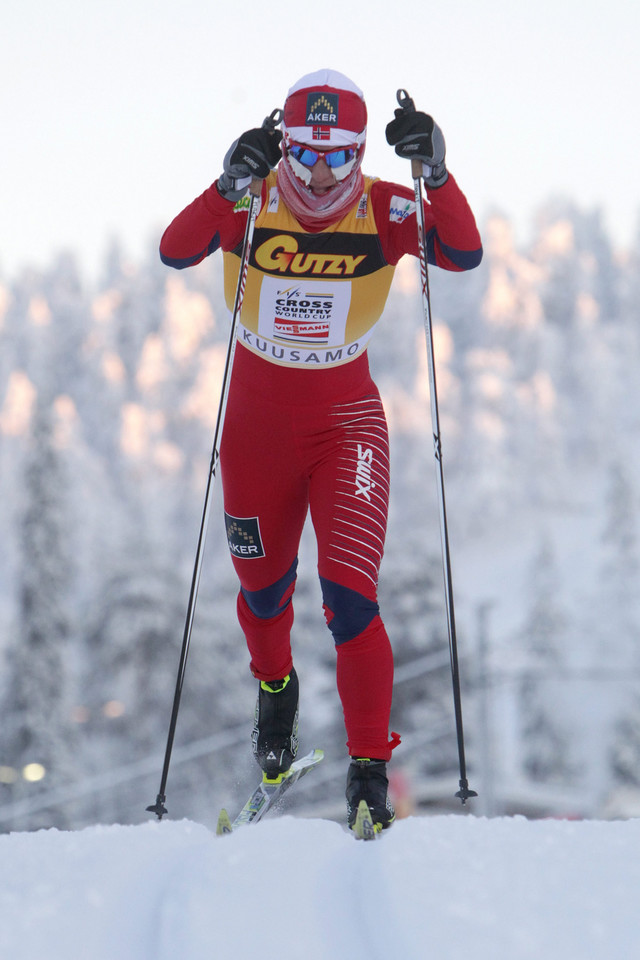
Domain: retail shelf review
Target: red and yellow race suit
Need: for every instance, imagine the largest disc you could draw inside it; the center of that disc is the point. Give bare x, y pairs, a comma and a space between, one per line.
305, 430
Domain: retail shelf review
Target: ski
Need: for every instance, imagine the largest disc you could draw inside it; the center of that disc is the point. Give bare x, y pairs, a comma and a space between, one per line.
268, 793
224, 824
364, 827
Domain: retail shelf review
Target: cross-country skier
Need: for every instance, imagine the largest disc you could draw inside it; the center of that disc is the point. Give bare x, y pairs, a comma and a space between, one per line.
304, 428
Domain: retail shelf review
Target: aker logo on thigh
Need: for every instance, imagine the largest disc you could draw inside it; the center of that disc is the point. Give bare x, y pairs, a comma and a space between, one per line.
243, 537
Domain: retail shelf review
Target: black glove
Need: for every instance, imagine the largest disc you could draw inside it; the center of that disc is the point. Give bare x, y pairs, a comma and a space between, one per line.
253, 154
416, 136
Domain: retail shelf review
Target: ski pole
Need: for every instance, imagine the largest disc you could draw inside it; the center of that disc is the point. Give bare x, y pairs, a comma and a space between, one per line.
407, 105
255, 188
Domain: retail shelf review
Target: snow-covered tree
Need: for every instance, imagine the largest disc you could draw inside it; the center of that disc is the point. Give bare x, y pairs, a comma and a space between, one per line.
37, 735
618, 618
545, 744
625, 748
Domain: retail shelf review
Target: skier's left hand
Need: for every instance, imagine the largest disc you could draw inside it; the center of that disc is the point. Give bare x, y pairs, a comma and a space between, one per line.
416, 136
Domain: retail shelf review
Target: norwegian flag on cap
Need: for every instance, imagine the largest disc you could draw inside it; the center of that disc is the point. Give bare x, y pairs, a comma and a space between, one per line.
325, 106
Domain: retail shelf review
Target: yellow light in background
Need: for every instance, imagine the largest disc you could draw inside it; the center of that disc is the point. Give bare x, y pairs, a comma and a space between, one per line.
33, 772
8, 774
113, 709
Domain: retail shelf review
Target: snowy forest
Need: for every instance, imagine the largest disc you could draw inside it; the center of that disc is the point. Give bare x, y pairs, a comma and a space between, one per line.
108, 399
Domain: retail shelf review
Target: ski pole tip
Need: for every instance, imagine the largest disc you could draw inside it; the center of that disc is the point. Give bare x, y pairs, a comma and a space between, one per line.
464, 793
158, 807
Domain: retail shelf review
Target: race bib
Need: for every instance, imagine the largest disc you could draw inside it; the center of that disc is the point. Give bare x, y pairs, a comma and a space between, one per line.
310, 313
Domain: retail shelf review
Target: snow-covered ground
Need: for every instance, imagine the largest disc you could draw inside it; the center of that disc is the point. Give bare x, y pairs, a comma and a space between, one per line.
430, 889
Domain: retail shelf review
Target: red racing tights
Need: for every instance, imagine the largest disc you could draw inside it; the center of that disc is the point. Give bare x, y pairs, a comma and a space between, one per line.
312, 440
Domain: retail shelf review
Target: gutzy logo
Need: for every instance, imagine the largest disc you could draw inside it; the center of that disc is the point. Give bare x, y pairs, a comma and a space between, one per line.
280, 253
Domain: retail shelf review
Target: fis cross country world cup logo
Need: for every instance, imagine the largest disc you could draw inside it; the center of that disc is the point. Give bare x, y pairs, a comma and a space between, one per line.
303, 316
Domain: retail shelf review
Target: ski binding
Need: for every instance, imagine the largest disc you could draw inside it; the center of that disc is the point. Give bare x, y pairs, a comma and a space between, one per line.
268, 793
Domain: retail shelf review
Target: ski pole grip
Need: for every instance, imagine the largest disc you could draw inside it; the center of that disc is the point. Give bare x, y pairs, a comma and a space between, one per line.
274, 119
269, 123
405, 102
407, 105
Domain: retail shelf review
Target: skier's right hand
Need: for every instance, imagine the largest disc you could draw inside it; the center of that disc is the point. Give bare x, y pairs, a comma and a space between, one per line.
251, 156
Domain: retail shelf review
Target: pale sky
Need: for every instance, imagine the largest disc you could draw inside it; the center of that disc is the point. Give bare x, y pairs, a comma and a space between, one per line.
117, 113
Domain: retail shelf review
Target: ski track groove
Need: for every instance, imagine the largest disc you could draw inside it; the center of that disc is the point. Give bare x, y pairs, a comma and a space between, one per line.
341, 909
356, 886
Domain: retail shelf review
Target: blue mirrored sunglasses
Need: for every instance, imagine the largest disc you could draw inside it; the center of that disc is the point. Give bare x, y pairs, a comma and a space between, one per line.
332, 158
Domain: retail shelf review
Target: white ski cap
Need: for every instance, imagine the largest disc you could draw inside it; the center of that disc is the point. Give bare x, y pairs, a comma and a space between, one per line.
327, 108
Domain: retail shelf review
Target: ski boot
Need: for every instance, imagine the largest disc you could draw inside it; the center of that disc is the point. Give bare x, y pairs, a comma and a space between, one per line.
367, 780
275, 730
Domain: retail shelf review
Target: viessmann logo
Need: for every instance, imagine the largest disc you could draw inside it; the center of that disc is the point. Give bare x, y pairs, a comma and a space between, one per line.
281, 254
